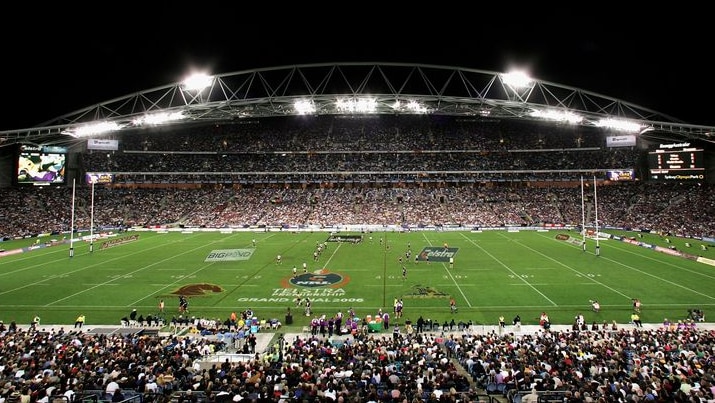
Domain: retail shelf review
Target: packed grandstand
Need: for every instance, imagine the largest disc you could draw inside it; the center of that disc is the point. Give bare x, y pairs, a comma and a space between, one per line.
328, 171
354, 170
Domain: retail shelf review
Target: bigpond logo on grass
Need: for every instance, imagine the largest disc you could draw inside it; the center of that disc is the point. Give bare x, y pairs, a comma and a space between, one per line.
229, 255
436, 254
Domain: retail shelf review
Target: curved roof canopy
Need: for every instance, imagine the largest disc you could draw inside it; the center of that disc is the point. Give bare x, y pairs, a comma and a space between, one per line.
354, 88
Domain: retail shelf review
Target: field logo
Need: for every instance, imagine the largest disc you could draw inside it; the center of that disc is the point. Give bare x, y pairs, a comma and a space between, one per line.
318, 280
425, 291
195, 290
344, 238
436, 254
228, 255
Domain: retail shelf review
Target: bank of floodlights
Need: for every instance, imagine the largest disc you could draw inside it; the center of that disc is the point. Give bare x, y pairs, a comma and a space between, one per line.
304, 107
359, 105
557, 116
619, 125
92, 129
155, 119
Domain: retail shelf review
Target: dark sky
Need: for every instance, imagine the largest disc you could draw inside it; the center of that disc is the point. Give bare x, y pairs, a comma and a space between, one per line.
73, 65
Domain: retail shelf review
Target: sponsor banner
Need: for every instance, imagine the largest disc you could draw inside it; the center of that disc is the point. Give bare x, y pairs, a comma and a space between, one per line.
28, 148
705, 260
436, 254
621, 141
101, 144
621, 175
54, 150
569, 239
119, 241
228, 255
10, 252
668, 251
97, 177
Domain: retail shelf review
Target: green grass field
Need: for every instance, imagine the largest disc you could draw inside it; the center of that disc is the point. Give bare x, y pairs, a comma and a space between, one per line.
495, 273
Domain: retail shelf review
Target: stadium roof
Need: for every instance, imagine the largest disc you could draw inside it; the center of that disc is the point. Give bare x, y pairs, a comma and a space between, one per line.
390, 88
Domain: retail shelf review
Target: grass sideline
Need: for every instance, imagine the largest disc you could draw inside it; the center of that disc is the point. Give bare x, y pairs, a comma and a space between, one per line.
495, 273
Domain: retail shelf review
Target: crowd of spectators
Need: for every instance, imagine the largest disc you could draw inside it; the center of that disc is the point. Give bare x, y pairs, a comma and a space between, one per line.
364, 133
376, 170
679, 209
388, 149
601, 364
382, 170
608, 364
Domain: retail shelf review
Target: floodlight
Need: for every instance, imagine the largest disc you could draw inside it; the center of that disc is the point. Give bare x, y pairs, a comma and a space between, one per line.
197, 82
517, 79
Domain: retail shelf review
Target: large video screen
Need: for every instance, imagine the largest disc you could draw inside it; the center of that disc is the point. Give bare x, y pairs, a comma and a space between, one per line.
38, 165
677, 164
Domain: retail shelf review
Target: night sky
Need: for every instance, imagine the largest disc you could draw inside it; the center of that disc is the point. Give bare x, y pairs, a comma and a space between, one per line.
657, 64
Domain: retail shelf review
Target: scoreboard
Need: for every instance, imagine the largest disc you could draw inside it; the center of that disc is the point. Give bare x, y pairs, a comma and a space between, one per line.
685, 164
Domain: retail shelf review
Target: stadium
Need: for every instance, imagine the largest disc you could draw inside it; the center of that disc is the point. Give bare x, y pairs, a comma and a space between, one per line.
509, 228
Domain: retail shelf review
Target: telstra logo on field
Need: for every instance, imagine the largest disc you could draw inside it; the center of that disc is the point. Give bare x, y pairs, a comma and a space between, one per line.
436, 254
